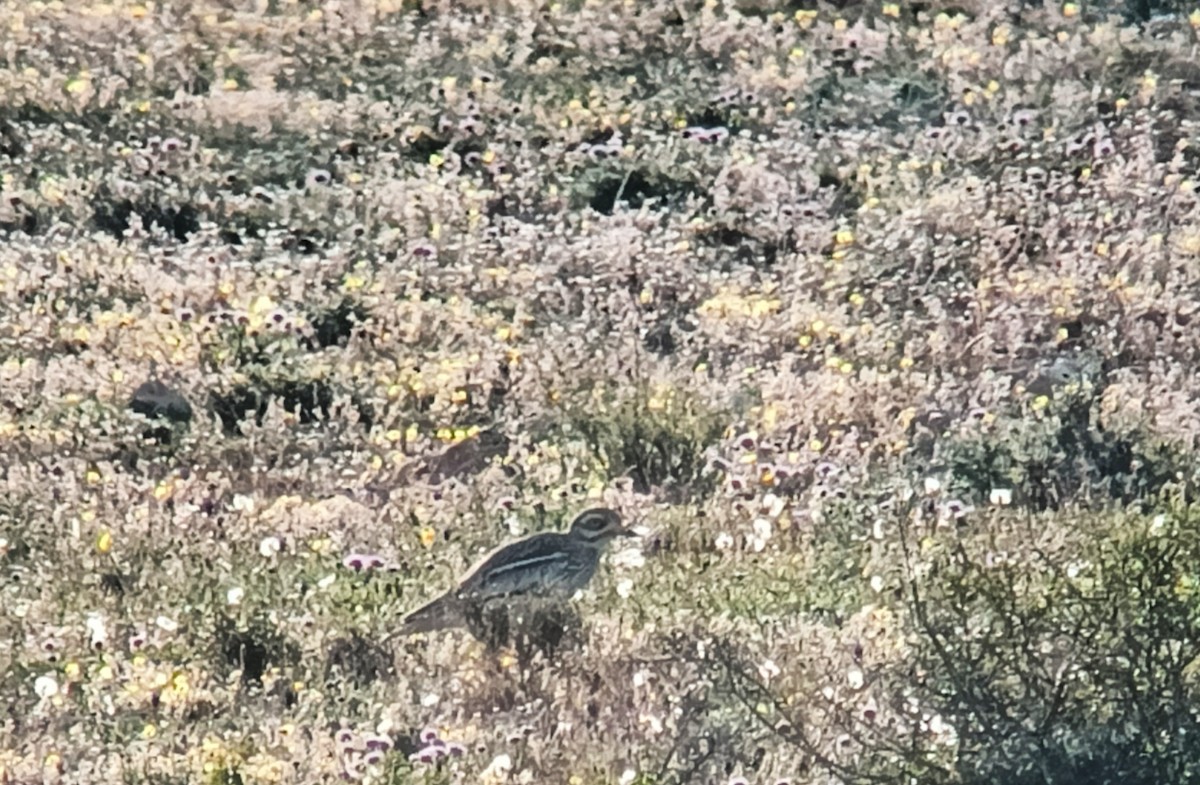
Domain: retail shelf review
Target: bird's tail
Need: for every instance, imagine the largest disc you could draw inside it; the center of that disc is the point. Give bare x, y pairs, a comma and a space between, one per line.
445, 611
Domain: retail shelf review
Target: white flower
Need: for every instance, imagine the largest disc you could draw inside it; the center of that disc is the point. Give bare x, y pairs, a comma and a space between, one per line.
629, 558
430, 699
762, 533
876, 583
773, 505
854, 677
768, 670
627, 776
167, 624
624, 588
235, 595
1158, 524
724, 541
270, 546
943, 730
640, 678
327, 581
652, 722
1001, 497
45, 687
97, 630
498, 769
932, 485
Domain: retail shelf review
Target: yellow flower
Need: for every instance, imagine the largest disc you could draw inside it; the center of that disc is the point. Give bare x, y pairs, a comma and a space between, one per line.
428, 535
104, 541
164, 490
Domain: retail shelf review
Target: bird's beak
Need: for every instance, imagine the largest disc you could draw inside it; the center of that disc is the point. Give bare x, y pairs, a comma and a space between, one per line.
625, 531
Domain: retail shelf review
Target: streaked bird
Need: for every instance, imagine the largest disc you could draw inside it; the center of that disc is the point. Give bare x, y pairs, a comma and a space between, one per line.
549, 567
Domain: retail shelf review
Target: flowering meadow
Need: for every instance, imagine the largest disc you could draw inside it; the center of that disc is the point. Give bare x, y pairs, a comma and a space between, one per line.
873, 319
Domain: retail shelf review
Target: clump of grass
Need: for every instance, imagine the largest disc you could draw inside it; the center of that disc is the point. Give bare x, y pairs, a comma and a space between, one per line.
658, 441
1052, 454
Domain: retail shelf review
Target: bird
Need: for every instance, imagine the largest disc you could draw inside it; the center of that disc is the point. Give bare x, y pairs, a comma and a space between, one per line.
543, 568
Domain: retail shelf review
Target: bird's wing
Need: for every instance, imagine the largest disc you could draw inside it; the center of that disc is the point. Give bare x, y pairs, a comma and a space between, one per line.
541, 563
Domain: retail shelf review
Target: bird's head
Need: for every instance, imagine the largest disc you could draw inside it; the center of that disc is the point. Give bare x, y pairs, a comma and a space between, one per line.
598, 526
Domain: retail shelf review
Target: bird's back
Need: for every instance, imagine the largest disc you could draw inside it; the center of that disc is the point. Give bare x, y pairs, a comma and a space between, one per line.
549, 563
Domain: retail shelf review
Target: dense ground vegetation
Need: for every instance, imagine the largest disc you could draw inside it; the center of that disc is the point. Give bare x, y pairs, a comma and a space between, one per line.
876, 319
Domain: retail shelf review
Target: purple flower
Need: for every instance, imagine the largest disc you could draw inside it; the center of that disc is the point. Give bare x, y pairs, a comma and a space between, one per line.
826, 469
424, 755
363, 561
1024, 117
381, 743
317, 177
428, 736
956, 509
